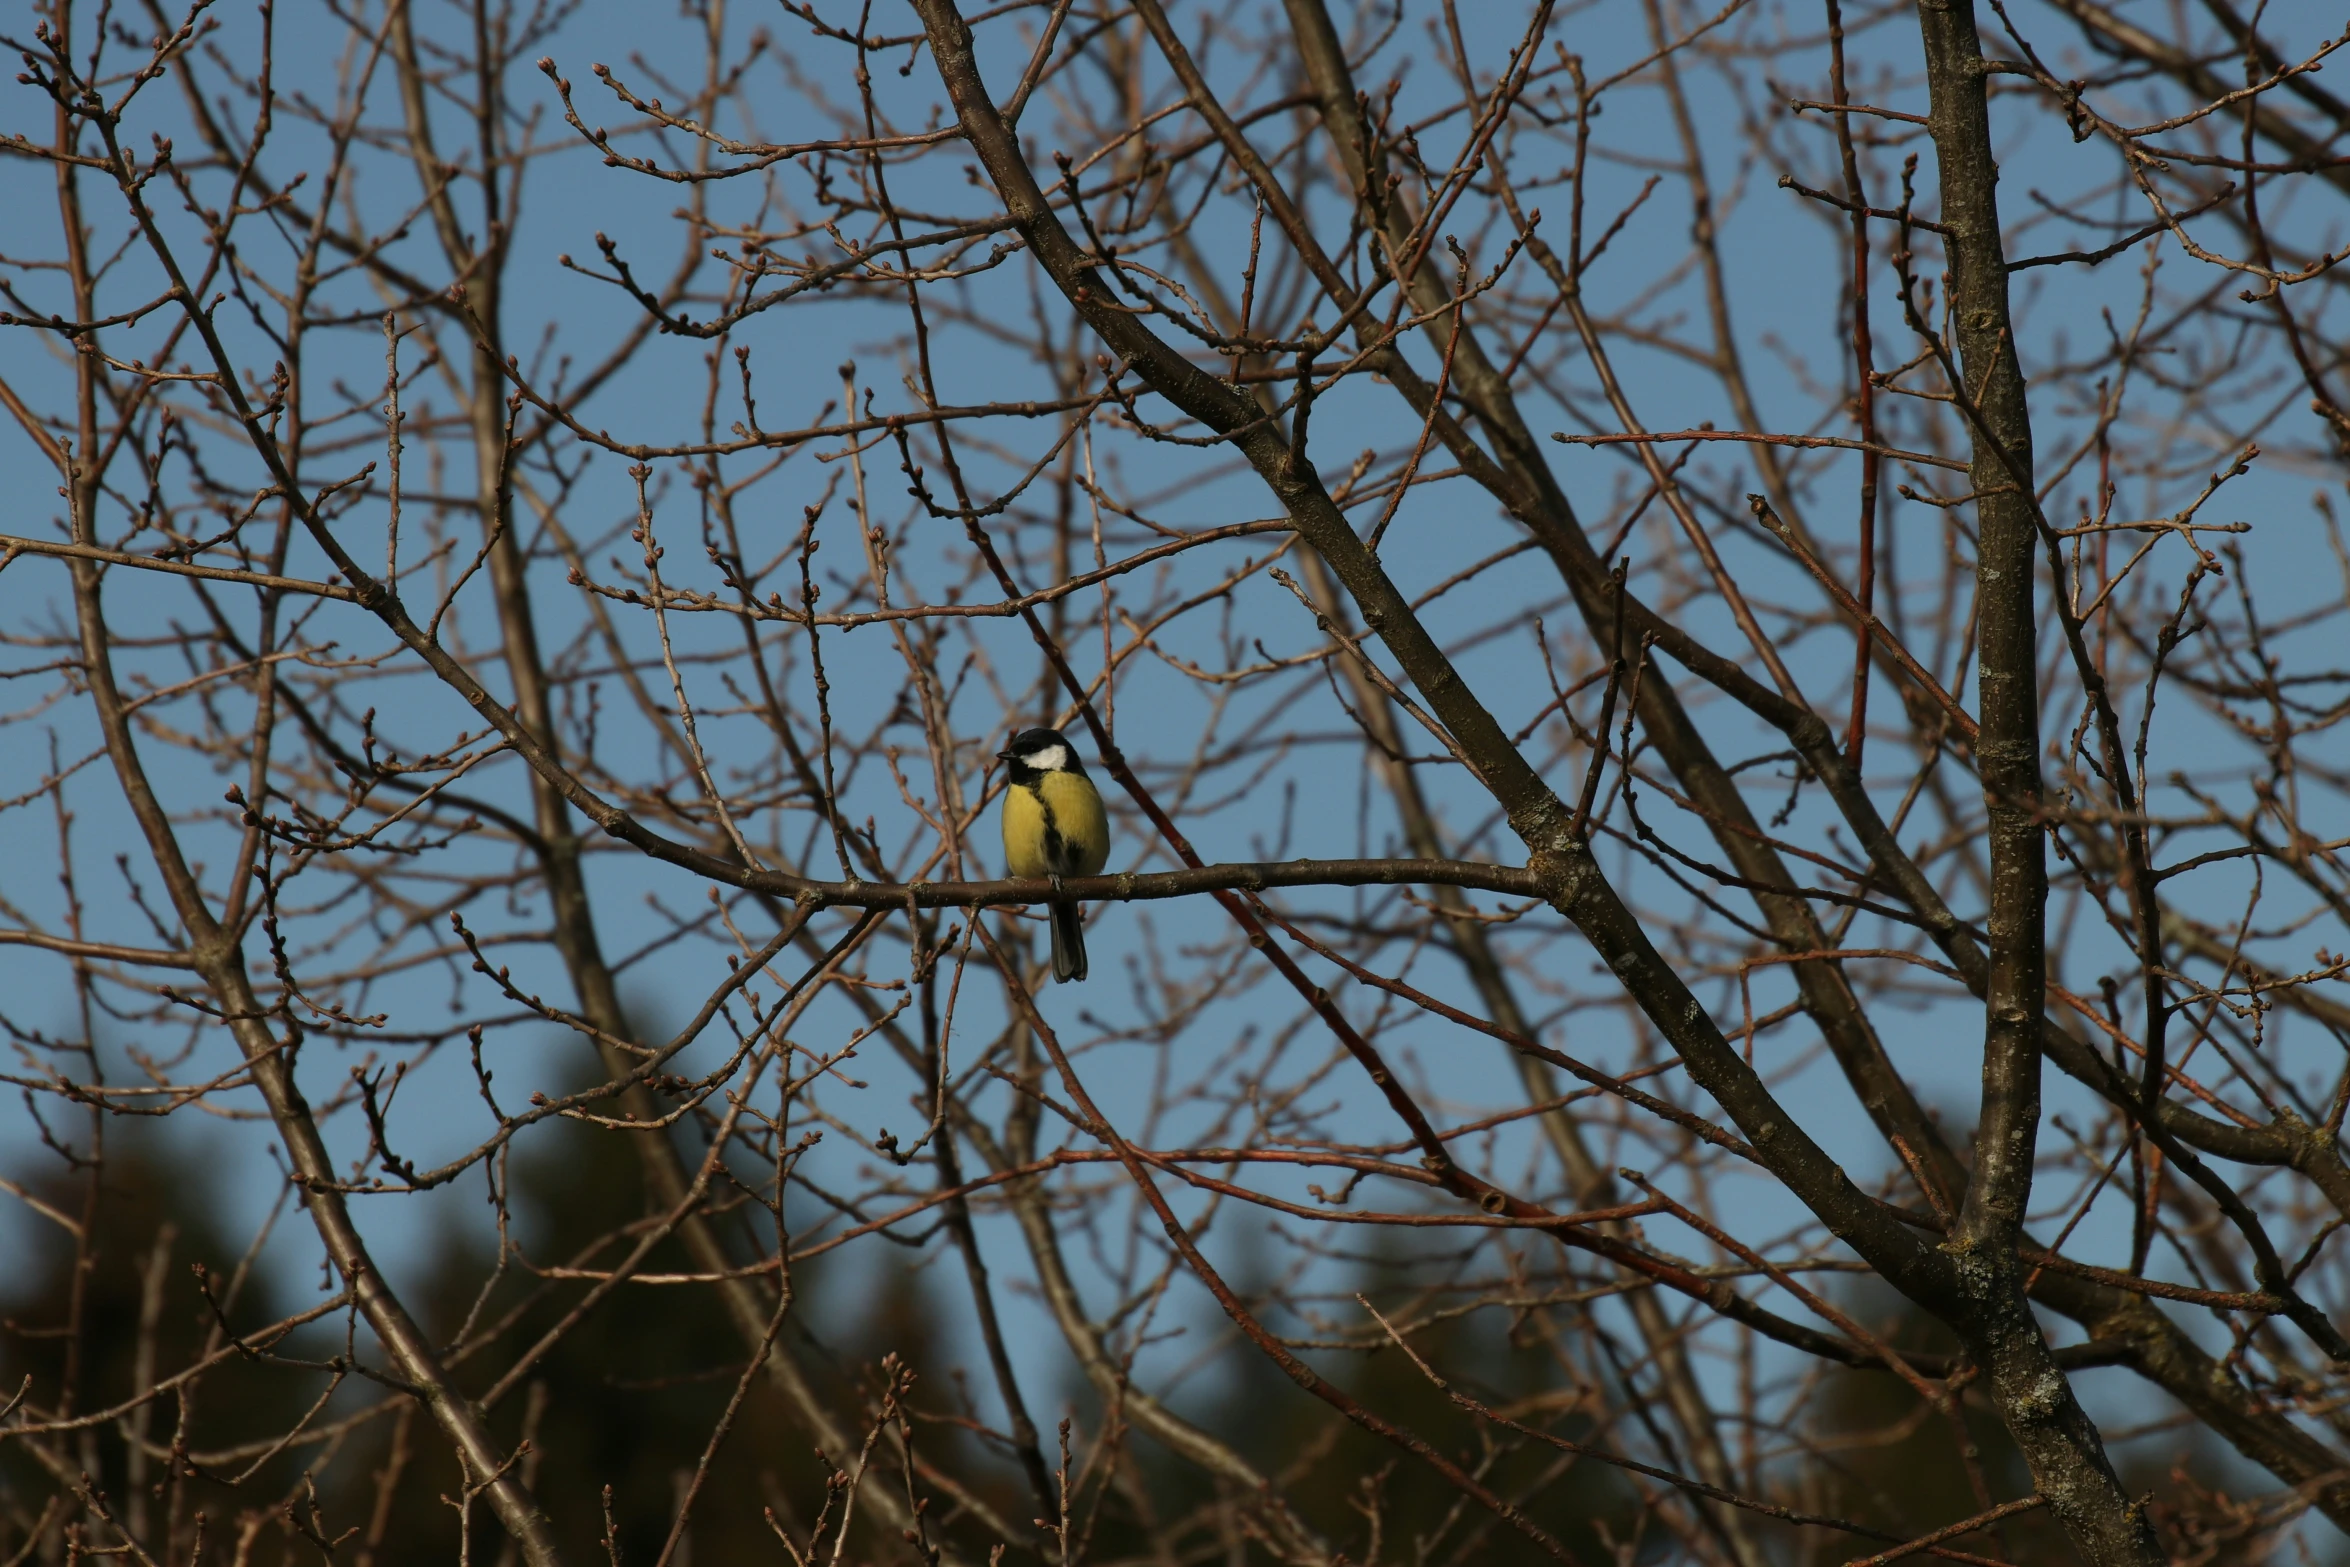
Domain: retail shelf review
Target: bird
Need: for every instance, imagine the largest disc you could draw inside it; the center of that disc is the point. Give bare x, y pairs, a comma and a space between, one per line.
1054, 826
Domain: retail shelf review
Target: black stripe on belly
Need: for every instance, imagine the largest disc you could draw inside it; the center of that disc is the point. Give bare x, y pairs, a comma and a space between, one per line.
1056, 848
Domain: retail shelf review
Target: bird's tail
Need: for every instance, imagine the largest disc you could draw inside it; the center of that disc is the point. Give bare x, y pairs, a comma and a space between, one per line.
1068, 942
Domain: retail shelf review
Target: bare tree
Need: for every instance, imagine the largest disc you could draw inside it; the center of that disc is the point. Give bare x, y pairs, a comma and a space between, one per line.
1725, 930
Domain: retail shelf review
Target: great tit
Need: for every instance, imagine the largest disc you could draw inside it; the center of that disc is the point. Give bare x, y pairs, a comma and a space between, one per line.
1054, 826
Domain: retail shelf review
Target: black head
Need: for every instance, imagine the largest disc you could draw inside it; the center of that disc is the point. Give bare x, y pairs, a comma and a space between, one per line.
1034, 752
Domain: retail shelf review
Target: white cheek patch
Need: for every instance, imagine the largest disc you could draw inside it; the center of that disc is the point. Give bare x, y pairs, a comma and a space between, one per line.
1052, 759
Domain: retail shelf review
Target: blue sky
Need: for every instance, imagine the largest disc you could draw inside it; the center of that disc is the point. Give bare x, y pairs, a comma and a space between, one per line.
1783, 282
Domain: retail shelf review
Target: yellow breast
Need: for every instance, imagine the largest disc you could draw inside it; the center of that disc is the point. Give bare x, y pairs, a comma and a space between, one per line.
1055, 828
